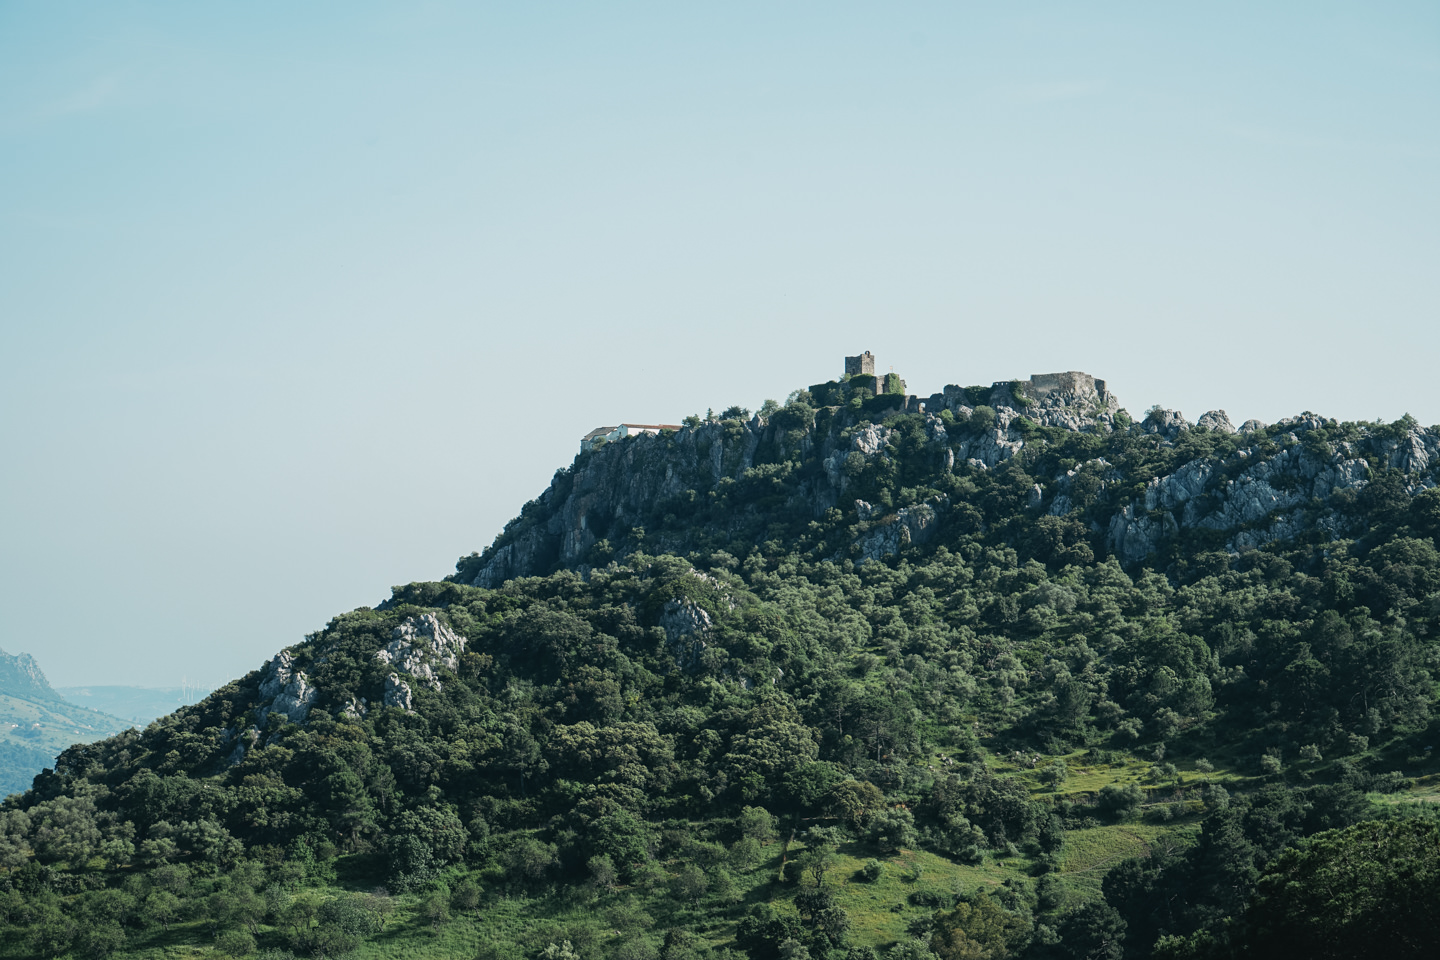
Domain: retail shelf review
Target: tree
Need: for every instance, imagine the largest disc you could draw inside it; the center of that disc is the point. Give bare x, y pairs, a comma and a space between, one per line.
1093, 932
744, 854
161, 907
892, 830
602, 872
979, 928
529, 860
756, 823
559, 951
99, 940
815, 862
466, 896
855, 800
1120, 802
623, 837
689, 884
1371, 890
235, 943
827, 922
436, 906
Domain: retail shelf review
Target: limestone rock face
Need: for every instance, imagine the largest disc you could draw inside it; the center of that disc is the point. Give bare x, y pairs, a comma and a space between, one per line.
686, 626
992, 447
1167, 423
1216, 420
288, 690
870, 440
398, 694
21, 676
1277, 486
908, 525
1133, 536
420, 645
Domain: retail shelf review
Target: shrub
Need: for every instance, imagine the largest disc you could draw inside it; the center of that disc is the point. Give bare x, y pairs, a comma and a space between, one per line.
1120, 802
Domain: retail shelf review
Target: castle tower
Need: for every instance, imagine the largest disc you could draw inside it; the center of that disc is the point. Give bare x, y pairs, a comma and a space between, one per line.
863, 364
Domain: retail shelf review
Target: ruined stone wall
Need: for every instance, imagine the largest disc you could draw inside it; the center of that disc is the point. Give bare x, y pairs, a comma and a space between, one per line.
1042, 385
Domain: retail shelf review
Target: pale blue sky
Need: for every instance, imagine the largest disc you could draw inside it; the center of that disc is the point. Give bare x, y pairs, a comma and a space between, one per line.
298, 301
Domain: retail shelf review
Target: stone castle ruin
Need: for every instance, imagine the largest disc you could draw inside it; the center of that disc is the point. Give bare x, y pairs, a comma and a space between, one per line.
865, 363
1051, 399
1045, 396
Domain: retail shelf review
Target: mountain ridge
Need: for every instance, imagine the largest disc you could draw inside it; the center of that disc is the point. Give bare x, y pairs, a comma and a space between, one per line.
843, 679
1261, 484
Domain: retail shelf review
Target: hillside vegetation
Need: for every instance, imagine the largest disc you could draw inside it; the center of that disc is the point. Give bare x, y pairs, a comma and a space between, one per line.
842, 681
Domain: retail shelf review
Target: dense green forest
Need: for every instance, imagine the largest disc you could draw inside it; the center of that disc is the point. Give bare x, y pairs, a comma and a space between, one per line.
763, 721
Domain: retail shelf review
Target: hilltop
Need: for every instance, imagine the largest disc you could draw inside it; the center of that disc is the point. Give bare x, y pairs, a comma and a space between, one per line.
1002, 671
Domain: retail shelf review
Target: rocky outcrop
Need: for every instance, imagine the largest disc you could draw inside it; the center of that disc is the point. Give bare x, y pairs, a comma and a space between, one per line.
21, 676
686, 626
287, 689
1216, 420
1167, 423
398, 694
420, 645
1278, 484
906, 527
1259, 498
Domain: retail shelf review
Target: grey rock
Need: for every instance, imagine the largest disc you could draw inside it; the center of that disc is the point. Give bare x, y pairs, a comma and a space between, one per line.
1166, 423
1037, 496
871, 440
1415, 452
1134, 536
246, 742
1256, 493
420, 645
398, 694
909, 525
277, 673
992, 447
1183, 485
288, 690
686, 626
1217, 421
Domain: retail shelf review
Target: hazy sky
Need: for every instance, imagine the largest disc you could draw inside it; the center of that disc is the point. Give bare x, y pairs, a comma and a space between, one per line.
300, 301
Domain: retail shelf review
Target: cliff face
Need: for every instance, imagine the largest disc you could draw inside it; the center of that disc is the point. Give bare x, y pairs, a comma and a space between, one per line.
1264, 483
21, 676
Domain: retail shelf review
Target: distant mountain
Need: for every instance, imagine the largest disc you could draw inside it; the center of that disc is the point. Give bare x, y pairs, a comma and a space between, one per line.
139, 704
21, 676
36, 722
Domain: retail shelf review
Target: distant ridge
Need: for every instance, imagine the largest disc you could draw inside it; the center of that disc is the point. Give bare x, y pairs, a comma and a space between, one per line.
137, 704
21, 676
36, 722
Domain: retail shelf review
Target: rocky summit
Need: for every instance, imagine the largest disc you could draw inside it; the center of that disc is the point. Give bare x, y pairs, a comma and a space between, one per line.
1263, 483
1002, 671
